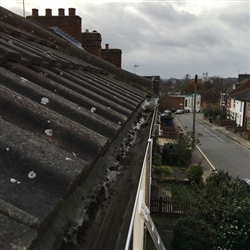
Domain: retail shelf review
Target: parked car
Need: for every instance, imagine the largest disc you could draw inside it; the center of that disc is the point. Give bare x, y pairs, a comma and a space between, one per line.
166, 112
179, 111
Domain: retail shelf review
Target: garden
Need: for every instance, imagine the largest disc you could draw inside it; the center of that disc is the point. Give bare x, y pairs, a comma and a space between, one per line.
219, 210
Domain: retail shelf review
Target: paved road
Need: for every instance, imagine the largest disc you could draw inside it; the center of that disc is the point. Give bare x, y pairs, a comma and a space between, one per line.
224, 153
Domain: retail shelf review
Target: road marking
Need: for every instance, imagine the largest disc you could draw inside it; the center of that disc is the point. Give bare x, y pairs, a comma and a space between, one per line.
217, 137
209, 162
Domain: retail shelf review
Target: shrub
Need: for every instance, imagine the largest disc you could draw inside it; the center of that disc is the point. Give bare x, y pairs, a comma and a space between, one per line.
157, 160
187, 237
218, 217
181, 191
211, 110
162, 171
234, 229
179, 152
194, 173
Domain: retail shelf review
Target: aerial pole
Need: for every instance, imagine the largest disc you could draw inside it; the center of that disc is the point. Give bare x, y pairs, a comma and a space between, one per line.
194, 110
135, 67
23, 9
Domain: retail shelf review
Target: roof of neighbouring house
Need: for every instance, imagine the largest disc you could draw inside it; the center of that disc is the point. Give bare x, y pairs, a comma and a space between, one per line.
243, 95
64, 115
241, 86
242, 92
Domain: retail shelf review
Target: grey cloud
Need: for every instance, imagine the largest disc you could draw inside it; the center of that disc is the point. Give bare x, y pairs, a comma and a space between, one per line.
169, 38
236, 21
164, 40
166, 14
236, 16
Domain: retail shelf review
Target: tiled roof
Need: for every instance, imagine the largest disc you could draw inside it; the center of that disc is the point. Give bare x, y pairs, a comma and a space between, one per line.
62, 111
242, 92
243, 95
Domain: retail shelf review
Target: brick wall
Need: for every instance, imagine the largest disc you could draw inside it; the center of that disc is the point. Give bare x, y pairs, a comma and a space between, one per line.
112, 55
70, 24
175, 102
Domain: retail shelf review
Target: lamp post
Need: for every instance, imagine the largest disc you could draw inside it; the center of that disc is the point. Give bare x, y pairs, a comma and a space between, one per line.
135, 67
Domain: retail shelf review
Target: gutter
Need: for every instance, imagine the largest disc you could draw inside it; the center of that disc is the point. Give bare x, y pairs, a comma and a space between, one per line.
149, 147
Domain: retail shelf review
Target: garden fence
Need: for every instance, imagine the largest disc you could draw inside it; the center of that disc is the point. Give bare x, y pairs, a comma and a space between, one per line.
168, 205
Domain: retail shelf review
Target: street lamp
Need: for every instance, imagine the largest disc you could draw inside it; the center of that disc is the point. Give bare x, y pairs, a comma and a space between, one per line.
135, 67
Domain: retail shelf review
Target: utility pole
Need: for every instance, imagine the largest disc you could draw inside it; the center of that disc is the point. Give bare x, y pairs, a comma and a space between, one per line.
194, 110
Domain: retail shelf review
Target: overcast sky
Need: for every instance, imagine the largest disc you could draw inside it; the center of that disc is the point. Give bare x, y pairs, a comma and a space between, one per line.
165, 38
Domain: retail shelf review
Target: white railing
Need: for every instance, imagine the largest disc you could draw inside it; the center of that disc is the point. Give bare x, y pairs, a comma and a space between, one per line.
138, 199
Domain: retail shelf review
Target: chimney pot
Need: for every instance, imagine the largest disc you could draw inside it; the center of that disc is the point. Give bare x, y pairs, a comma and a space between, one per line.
48, 12
34, 12
60, 12
86, 30
107, 46
72, 11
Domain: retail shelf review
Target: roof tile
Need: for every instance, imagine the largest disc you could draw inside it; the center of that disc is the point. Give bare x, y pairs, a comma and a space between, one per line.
63, 112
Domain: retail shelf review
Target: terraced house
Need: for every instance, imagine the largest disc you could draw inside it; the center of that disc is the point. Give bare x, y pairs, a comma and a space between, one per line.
75, 141
240, 108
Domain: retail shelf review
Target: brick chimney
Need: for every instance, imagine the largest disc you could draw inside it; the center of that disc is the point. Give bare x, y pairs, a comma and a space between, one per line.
70, 24
60, 12
91, 41
113, 56
48, 12
34, 12
72, 12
